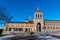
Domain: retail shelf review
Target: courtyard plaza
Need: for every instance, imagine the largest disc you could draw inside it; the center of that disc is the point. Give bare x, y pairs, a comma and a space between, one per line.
27, 36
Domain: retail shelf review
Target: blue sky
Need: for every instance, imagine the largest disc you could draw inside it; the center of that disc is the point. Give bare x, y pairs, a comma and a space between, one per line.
22, 9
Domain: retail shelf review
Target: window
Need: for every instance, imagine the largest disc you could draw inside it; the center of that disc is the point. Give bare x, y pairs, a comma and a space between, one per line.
22, 25
40, 16
36, 15
53, 27
48, 27
9, 29
56, 27
16, 29
17, 25
27, 29
20, 29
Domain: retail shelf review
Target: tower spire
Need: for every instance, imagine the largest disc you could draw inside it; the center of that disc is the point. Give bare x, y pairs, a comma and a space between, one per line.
38, 8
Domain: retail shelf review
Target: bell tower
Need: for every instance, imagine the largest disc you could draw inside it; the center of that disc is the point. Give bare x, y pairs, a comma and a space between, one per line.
37, 14
38, 20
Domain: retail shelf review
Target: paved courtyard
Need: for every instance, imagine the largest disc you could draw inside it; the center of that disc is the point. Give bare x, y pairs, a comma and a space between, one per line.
27, 36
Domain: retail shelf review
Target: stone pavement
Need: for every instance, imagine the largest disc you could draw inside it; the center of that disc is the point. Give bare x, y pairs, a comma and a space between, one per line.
22, 36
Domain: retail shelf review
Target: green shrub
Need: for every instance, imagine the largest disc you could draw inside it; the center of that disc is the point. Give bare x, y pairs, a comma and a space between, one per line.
31, 33
0, 32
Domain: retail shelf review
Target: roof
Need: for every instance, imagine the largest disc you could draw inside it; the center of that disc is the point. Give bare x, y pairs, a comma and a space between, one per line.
37, 10
19, 22
51, 20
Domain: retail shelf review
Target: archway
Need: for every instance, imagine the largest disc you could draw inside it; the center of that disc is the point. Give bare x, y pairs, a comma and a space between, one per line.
38, 27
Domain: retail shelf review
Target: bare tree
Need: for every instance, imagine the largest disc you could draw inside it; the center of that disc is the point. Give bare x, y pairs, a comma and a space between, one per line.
4, 16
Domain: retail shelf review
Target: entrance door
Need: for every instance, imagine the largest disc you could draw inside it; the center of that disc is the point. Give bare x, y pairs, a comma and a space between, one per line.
38, 27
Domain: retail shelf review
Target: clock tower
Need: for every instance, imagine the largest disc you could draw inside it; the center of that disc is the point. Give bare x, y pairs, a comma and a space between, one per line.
38, 21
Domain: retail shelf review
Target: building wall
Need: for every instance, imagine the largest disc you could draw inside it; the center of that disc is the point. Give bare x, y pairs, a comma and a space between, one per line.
52, 26
19, 25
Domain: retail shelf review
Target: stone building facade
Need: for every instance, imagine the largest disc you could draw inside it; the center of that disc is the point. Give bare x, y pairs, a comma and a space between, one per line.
37, 25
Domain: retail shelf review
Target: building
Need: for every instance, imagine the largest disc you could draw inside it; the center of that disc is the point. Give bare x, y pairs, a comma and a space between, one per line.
37, 25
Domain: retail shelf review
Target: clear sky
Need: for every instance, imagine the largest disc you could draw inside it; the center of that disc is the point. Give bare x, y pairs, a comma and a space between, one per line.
22, 9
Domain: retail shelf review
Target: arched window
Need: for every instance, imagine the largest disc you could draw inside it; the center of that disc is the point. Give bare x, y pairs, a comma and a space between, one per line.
53, 27
36, 15
48, 27
40, 15
9, 29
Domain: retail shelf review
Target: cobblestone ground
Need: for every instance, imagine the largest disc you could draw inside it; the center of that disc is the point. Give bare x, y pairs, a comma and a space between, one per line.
20, 38
24, 38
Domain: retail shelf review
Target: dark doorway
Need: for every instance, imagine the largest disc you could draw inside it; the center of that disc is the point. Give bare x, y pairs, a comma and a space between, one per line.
38, 27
